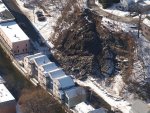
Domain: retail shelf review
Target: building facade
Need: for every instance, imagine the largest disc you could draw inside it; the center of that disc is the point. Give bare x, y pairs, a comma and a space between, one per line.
43, 74
146, 28
33, 62
60, 84
28, 63
16, 40
74, 96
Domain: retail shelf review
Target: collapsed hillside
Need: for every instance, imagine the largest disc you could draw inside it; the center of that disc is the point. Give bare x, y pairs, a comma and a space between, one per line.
87, 48
84, 47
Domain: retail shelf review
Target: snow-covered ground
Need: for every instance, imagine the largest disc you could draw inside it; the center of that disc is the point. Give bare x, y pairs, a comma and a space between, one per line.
120, 104
117, 26
141, 68
113, 10
53, 12
46, 29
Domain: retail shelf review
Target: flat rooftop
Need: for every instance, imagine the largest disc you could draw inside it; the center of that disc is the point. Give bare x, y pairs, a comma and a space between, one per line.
5, 14
13, 31
40, 60
5, 95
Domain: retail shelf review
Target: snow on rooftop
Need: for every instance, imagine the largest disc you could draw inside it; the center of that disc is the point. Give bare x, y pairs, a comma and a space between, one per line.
146, 21
33, 56
49, 66
40, 60
83, 108
13, 31
65, 82
5, 95
74, 92
57, 73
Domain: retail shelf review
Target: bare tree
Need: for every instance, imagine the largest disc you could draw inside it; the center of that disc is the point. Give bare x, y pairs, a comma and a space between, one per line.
38, 101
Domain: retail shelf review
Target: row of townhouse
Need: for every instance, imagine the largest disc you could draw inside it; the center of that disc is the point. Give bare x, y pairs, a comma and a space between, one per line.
7, 101
53, 79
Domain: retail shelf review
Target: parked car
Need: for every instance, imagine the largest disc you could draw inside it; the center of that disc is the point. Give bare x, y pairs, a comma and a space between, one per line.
42, 18
39, 13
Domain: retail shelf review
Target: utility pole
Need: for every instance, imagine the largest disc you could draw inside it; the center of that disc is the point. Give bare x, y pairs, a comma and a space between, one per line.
139, 21
139, 25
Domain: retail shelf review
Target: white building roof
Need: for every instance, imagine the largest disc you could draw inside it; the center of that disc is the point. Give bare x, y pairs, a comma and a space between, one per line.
83, 108
13, 31
50, 66
40, 60
57, 73
65, 82
146, 21
74, 92
5, 95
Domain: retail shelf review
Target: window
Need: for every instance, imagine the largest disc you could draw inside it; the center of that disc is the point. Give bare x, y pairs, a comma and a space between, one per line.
17, 46
18, 51
23, 50
26, 45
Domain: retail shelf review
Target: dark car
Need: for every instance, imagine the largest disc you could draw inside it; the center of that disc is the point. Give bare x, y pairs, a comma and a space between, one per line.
39, 13
42, 18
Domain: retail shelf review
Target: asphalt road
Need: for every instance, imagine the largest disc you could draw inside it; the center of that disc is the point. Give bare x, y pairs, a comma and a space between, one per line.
22, 20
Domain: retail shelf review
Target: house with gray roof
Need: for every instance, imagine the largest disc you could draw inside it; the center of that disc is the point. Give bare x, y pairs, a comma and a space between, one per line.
43, 74
28, 64
32, 62
74, 96
61, 84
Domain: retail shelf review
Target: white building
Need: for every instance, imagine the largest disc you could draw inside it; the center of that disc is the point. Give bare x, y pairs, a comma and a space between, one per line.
17, 41
28, 63
55, 74
43, 74
146, 28
74, 96
33, 62
7, 101
60, 84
